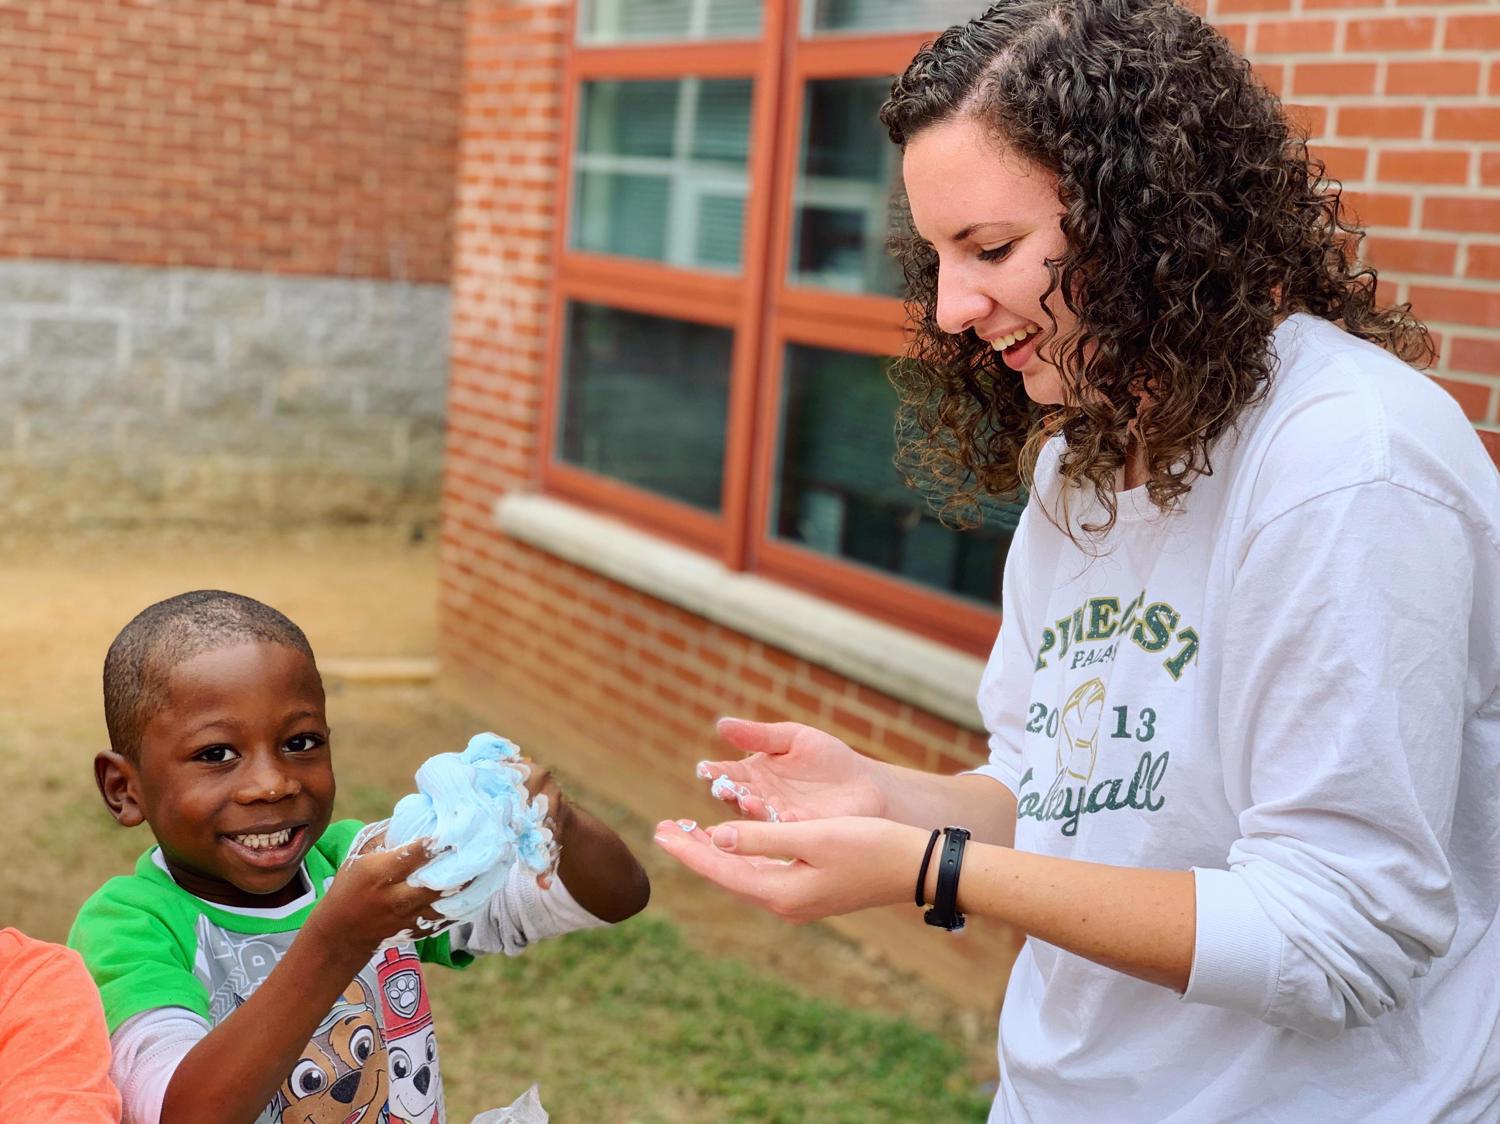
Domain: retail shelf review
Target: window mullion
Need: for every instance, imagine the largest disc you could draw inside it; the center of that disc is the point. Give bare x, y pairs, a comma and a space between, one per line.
746, 459
682, 203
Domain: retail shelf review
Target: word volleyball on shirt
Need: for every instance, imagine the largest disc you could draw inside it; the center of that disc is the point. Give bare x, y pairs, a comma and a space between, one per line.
1093, 634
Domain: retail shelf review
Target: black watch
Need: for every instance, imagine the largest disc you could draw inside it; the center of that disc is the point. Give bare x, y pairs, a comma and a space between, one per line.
944, 912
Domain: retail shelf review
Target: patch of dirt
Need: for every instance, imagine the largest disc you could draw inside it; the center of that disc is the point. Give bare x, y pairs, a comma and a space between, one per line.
358, 593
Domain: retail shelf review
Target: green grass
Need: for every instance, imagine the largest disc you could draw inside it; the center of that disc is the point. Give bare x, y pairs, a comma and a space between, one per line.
629, 1024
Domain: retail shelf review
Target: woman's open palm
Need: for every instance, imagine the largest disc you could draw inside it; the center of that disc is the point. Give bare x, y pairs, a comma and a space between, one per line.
793, 772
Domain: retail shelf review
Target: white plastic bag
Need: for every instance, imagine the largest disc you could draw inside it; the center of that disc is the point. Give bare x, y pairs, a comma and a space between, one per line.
526, 1109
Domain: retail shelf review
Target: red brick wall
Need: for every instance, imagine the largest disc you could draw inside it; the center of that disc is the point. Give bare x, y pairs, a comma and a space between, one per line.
305, 136
1402, 98
600, 676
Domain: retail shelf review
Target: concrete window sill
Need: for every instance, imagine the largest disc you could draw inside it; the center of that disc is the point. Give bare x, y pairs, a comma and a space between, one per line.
905, 666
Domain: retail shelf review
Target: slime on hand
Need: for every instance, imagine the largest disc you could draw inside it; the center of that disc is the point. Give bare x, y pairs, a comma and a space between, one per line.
723, 788
475, 808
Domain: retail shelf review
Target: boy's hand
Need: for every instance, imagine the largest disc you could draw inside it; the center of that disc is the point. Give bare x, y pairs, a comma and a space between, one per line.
593, 862
370, 899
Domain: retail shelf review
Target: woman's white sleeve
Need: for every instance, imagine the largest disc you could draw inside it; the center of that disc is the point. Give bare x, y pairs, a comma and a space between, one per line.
1006, 683
146, 1050
1345, 666
521, 913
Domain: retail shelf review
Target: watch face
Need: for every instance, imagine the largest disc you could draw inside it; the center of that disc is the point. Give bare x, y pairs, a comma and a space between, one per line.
952, 925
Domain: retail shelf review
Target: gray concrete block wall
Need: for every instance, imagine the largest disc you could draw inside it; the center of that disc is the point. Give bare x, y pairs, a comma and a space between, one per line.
134, 394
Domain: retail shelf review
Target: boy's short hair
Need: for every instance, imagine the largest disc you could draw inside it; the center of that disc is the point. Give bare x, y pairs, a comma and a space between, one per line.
162, 636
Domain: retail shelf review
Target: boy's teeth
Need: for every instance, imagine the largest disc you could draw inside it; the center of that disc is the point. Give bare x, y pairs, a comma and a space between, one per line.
260, 842
1015, 337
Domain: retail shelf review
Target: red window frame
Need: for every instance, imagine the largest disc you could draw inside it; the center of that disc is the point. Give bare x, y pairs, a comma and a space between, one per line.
759, 306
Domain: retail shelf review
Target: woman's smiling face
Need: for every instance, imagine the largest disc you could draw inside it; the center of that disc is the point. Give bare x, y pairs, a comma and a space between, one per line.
993, 218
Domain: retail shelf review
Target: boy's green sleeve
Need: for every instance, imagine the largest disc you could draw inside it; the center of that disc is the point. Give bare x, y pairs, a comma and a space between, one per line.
139, 951
335, 842
439, 950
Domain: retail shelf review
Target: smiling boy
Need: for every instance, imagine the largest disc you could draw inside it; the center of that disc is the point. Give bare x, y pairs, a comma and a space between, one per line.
240, 965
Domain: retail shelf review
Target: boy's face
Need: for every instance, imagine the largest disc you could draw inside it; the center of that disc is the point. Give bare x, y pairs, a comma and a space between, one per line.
235, 775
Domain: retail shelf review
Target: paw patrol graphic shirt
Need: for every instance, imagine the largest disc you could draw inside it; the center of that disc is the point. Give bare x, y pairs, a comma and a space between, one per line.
170, 966
1289, 687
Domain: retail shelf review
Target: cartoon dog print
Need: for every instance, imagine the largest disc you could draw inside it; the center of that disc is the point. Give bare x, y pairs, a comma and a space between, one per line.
341, 1077
416, 1084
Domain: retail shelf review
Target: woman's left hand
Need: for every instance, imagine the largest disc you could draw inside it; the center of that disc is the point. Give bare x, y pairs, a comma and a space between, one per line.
807, 870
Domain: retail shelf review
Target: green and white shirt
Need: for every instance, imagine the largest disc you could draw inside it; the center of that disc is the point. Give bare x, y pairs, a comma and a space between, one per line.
1291, 687
170, 966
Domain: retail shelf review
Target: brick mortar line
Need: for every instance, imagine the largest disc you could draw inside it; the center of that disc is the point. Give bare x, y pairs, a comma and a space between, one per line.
1474, 330
1380, 99
1299, 11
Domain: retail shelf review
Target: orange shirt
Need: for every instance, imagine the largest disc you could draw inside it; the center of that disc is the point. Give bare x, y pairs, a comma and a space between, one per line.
54, 1051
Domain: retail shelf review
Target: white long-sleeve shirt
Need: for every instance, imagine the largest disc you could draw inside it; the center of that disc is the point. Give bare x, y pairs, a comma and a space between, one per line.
1292, 687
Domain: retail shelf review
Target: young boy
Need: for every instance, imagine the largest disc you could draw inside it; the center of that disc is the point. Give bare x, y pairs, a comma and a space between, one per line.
239, 975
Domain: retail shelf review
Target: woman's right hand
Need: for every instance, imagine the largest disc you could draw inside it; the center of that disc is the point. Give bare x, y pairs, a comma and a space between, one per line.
370, 900
795, 772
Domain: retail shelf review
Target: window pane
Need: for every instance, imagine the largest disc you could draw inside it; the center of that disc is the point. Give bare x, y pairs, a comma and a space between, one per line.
847, 173
661, 170
636, 21
645, 400
839, 491
887, 15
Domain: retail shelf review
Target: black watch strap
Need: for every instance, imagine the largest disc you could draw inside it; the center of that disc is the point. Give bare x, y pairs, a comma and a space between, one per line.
944, 912
926, 862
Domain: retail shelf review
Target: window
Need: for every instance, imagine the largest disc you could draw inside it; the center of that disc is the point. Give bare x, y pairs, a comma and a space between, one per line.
842, 198
629, 379
838, 492
725, 307
659, 170
654, 21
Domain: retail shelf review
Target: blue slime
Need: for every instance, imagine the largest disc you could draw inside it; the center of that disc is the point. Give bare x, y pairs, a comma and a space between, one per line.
475, 808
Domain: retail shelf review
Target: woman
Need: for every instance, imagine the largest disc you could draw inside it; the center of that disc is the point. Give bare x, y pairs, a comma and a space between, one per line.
1244, 709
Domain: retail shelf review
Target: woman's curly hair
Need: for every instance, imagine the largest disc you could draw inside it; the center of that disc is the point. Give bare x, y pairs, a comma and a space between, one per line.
1194, 219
